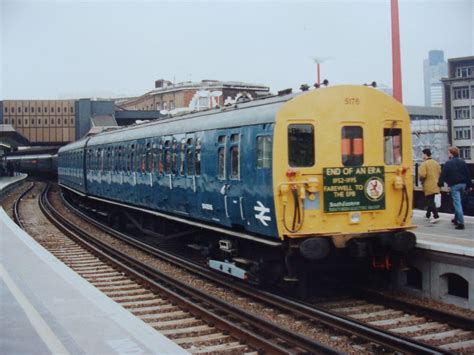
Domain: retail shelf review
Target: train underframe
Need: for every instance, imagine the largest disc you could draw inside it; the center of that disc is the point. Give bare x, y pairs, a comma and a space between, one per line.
295, 263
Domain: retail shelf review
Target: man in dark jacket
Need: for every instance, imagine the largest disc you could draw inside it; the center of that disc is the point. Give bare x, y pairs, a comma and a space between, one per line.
456, 174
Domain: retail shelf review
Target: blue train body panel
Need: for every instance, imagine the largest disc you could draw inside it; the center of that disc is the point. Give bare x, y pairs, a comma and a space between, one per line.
203, 167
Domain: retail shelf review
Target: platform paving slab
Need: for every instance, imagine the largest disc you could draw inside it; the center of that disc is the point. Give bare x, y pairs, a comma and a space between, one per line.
46, 308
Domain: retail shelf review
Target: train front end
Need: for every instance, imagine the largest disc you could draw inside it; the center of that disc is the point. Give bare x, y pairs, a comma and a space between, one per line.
342, 177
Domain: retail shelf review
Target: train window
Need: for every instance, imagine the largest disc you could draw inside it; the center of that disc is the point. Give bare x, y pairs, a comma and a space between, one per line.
189, 158
189, 141
221, 163
352, 146
264, 152
235, 163
182, 153
149, 158
159, 158
300, 145
392, 146
168, 162
234, 138
197, 155
221, 139
142, 152
174, 158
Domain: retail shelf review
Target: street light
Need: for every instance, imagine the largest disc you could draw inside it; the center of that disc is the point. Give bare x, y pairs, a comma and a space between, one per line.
318, 61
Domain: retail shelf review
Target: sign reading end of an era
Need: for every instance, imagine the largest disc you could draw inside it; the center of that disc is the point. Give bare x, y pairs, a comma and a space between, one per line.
354, 188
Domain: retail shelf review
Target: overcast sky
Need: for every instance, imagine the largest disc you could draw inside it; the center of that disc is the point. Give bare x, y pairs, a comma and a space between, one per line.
71, 49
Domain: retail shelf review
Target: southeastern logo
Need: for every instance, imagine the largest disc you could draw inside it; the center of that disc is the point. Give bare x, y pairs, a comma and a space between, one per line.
374, 189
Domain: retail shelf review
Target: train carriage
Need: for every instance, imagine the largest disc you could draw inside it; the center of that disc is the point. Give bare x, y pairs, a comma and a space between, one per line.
297, 180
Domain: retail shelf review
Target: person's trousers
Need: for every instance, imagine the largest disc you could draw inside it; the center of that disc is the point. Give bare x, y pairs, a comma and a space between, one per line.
456, 194
430, 202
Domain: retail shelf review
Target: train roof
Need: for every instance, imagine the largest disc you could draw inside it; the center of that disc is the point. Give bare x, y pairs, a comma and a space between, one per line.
242, 114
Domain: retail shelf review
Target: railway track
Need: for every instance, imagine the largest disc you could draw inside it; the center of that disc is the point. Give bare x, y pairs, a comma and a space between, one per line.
193, 319
337, 315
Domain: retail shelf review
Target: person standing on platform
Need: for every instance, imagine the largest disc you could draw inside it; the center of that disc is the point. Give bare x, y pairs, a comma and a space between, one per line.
428, 173
456, 174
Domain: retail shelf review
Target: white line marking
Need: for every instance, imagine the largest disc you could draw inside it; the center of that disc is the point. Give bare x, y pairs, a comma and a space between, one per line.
41, 327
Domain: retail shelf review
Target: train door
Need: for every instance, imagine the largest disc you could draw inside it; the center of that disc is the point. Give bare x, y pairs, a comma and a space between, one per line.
232, 187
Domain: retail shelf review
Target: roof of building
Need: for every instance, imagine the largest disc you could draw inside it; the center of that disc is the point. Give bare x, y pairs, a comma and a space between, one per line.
424, 110
203, 84
10, 137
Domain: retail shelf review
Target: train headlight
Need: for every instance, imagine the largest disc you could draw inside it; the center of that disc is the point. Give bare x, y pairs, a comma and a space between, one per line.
355, 217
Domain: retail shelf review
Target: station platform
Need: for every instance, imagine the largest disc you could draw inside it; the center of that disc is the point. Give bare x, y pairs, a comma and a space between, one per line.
442, 236
46, 308
7, 181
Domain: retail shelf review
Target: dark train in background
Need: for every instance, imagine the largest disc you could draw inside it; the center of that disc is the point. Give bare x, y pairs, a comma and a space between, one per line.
286, 186
38, 165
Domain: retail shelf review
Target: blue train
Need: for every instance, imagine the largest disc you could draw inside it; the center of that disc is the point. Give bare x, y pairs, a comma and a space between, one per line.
286, 182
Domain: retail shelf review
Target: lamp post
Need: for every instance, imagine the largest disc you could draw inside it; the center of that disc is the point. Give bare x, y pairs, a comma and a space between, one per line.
318, 61
396, 63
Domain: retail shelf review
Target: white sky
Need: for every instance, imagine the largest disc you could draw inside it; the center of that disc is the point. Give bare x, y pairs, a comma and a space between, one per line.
66, 48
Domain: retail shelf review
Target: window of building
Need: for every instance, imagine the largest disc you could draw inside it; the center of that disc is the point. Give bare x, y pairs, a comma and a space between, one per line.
65, 109
45, 121
52, 120
19, 122
461, 112
462, 132
392, 146
52, 109
171, 105
465, 153
6, 120
26, 109
59, 109
19, 110
39, 121
300, 145
13, 109
352, 146
461, 93
6, 109
464, 72
72, 120
65, 121
39, 109
32, 121
32, 110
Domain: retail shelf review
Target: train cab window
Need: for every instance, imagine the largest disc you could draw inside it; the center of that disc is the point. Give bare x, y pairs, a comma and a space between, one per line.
197, 157
352, 146
300, 145
392, 146
264, 152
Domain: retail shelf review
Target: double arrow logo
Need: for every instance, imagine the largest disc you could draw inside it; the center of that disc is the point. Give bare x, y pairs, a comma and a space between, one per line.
262, 211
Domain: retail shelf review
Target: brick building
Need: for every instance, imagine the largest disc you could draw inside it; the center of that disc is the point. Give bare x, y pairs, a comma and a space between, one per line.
192, 95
